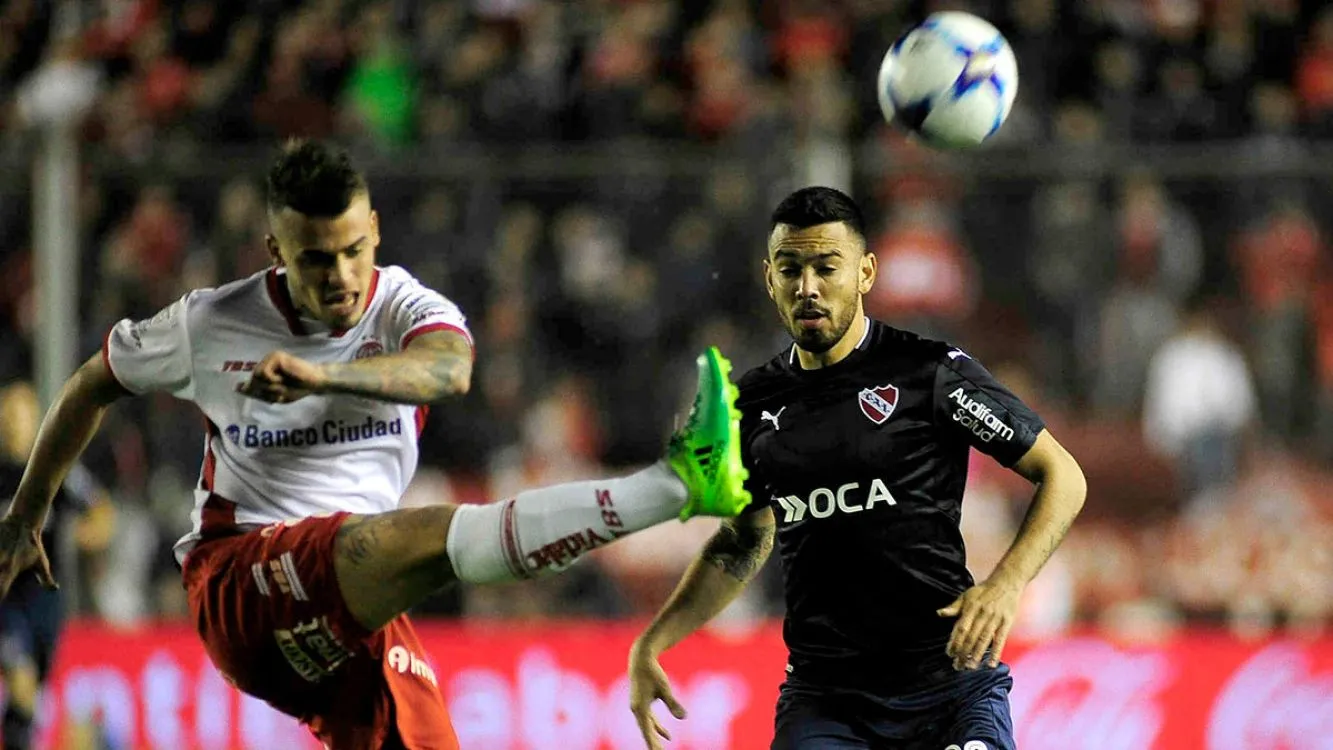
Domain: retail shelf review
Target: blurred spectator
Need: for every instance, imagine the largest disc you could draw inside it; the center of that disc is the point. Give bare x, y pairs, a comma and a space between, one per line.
1179, 109
1135, 321
1314, 75
380, 87
1228, 65
1160, 245
162, 79
926, 277
1323, 336
1279, 260
144, 253
1273, 138
1119, 71
1070, 265
287, 104
1160, 259
235, 247
1200, 401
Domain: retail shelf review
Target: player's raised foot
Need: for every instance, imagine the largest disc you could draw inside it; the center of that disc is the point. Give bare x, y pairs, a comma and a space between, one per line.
706, 452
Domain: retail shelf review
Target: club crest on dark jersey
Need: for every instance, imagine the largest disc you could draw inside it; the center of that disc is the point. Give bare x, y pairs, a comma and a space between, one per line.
878, 403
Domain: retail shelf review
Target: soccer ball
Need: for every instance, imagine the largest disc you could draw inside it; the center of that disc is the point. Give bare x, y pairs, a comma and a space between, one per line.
951, 80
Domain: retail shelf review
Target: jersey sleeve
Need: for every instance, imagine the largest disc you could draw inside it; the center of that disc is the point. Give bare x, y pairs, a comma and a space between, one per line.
756, 484
971, 405
418, 309
153, 355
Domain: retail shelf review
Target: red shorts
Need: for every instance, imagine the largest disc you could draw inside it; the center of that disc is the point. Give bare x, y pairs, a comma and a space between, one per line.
272, 618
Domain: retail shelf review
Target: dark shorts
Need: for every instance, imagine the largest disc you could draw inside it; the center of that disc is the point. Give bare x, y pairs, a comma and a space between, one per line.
30, 619
967, 711
272, 618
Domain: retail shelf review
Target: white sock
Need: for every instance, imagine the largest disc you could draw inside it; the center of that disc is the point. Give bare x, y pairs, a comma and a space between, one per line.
545, 530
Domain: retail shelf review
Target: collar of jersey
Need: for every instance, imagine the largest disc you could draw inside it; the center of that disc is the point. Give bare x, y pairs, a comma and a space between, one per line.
795, 366
297, 323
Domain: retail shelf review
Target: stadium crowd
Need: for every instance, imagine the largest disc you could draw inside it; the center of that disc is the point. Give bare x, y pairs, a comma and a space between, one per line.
590, 180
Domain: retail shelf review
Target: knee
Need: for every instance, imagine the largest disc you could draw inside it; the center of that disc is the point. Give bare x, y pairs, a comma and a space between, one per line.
397, 539
389, 562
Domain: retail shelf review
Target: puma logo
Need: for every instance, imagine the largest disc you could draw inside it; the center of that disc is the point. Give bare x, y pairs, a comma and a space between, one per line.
773, 417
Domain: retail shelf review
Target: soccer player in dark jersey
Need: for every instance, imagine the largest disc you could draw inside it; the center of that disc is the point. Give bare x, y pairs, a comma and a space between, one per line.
859, 435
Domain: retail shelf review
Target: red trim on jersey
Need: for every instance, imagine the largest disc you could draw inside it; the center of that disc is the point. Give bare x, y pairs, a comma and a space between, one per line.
422, 412
432, 327
337, 333
106, 359
281, 297
217, 517
509, 537
210, 459
374, 284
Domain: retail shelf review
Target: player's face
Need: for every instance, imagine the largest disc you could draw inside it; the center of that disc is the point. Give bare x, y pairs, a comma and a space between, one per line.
816, 276
330, 262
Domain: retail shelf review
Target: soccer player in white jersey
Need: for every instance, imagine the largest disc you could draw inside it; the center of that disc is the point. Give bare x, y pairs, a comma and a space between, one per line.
313, 377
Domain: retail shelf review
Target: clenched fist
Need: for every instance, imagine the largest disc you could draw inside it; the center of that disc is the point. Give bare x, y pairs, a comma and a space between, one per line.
281, 378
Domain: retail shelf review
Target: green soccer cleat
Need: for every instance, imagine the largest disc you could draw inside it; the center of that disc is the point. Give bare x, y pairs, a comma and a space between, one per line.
706, 452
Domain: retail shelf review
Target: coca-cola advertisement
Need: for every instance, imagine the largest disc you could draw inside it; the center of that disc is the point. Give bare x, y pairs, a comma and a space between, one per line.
562, 685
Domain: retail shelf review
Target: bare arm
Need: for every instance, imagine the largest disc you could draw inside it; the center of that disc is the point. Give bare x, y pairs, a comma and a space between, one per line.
986, 612
1061, 489
69, 424
434, 366
730, 559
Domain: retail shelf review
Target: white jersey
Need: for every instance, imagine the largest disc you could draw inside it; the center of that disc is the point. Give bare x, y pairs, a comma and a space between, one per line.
273, 462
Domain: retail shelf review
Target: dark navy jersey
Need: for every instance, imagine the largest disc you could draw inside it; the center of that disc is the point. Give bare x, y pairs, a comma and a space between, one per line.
863, 464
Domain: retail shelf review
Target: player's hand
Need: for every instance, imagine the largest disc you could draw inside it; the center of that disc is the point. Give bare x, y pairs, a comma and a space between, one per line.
647, 685
985, 613
21, 549
281, 378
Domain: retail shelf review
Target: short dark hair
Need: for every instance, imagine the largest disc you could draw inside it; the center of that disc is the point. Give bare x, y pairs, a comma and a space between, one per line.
313, 178
813, 206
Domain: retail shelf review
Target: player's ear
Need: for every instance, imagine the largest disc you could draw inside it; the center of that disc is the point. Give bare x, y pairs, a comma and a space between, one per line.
374, 228
768, 278
869, 268
271, 243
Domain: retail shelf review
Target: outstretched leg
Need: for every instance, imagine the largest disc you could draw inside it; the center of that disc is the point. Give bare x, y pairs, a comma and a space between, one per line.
389, 562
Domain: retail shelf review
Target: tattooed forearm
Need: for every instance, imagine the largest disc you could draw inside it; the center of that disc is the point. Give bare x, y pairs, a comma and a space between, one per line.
421, 375
740, 549
730, 559
359, 539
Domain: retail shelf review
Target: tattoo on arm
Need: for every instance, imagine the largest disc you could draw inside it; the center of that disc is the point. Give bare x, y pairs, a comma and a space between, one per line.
435, 366
361, 539
740, 549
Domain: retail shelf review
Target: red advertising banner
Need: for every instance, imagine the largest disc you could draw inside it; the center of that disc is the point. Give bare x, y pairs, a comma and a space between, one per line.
562, 685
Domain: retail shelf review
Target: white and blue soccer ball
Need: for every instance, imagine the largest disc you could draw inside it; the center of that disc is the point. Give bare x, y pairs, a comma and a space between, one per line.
951, 80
